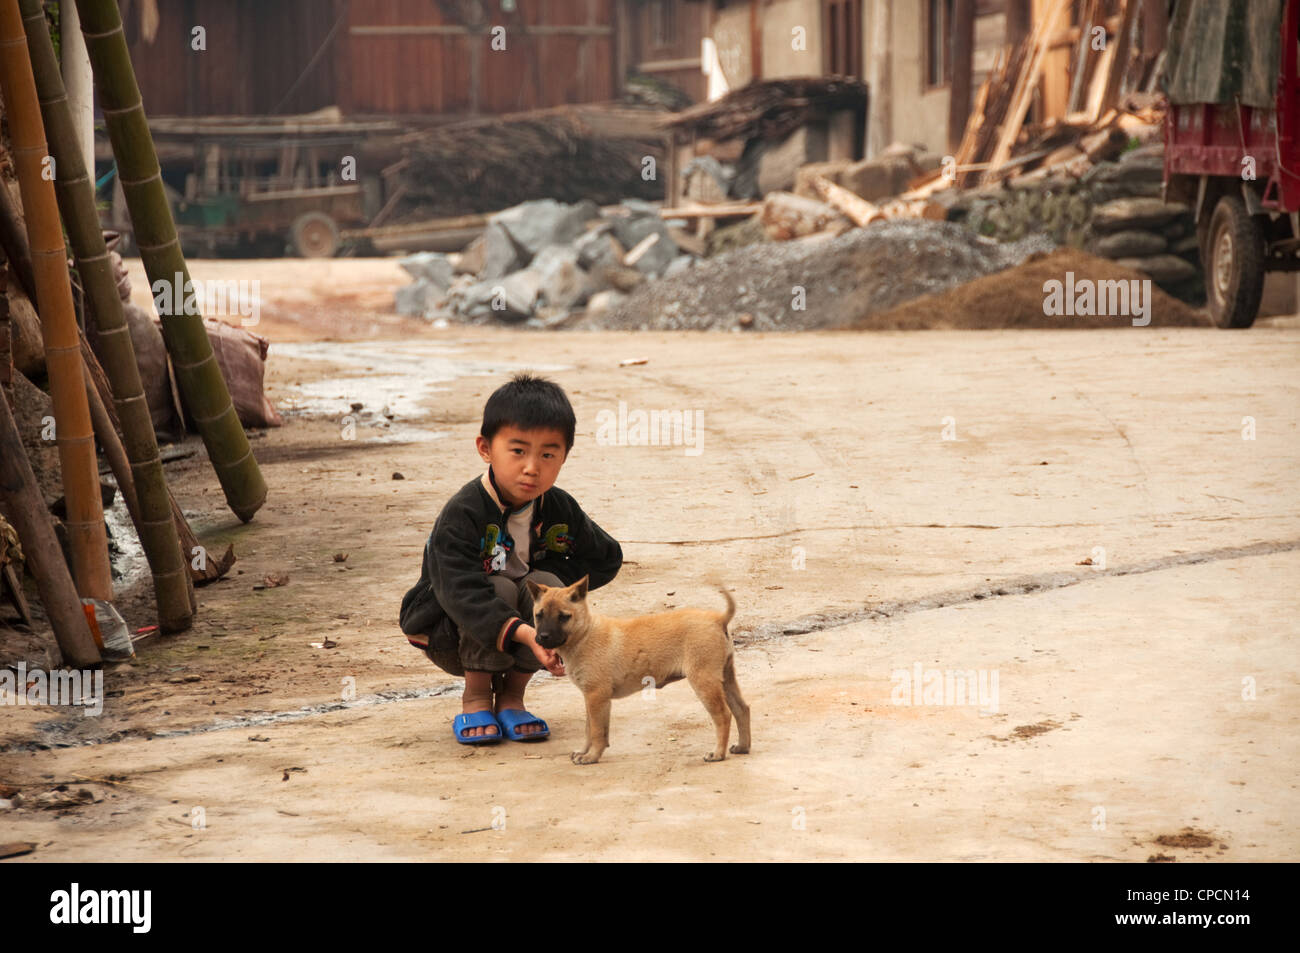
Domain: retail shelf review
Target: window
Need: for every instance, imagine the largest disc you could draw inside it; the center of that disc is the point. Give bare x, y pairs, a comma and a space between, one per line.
938, 24
663, 22
842, 26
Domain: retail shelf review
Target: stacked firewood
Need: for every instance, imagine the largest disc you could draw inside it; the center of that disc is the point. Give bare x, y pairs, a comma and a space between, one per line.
569, 153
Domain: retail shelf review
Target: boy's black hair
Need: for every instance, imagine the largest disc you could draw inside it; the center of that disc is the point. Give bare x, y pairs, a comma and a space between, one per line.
529, 402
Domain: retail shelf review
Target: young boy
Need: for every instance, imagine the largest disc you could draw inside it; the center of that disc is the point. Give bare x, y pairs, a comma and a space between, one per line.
471, 612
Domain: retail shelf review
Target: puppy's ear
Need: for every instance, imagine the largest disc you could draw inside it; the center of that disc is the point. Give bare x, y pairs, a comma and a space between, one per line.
579, 590
535, 589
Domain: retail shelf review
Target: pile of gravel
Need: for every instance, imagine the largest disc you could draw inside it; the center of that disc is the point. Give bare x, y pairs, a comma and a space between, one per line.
843, 280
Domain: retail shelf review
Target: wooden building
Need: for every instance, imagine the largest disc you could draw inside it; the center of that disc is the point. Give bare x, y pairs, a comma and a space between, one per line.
922, 59
411, 58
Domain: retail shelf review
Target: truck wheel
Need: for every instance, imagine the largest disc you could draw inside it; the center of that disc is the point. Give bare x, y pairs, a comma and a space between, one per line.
314, 235
1233, 255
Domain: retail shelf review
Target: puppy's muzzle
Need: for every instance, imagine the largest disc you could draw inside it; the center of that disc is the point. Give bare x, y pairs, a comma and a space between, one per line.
551, 637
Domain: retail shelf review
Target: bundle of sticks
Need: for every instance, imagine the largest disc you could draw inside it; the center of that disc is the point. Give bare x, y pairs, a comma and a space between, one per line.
770, 109
567, 153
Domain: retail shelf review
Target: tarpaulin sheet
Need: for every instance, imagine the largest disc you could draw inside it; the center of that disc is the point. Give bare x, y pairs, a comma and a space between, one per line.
1224, 51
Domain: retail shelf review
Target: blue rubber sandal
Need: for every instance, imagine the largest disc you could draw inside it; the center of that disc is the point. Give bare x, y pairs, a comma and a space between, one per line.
512, 718
477, 719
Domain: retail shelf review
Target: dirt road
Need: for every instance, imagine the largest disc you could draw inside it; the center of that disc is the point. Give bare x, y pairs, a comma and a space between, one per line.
883, 504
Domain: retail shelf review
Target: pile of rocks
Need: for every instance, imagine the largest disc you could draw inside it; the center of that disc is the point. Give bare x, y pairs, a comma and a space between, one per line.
1113, 210
826, 282
542, 262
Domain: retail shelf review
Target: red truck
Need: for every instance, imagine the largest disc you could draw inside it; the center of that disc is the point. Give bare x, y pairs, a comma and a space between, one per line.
1232, 142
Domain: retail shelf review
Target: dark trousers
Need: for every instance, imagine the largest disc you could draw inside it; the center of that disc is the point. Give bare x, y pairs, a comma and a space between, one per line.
470, 656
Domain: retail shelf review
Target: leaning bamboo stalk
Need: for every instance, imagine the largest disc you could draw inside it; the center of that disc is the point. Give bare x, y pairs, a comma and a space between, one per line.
107, 433
87, 536
15, 245
107, 430
173, 592
204, 390
23, 507
208, 570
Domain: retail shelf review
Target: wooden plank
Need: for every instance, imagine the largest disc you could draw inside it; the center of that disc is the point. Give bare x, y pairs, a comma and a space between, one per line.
428, 225
1123, 48
329, 191
1097, 85
727, 210
857, 209
382, 215
995, 109
1081, 57
1025, 86
1055, 83
977, 116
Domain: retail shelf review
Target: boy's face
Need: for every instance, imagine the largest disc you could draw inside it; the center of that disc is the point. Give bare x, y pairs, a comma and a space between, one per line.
525, 462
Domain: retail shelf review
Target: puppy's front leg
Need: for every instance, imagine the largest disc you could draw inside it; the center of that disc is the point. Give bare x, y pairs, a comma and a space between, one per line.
597, 730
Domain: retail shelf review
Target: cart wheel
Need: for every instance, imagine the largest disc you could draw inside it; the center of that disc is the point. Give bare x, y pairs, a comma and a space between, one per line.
314, 235
1234, 264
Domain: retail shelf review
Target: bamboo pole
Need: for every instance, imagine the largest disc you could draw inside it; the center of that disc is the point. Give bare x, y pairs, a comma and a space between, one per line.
173, 592
23, 507
21, 266
204, 390
87, 535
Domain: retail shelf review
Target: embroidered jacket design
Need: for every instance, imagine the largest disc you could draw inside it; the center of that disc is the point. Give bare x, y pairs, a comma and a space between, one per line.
495, 548
558, 540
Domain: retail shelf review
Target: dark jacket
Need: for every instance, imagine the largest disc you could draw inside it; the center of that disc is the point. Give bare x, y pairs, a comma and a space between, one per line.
454, 591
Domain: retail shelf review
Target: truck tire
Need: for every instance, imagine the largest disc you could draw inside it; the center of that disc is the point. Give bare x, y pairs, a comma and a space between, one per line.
314, 235
1233, 255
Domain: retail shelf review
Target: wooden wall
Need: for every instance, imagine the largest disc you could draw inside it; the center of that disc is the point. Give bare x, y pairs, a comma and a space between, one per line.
255, 53
662, 39
396, 57
409, 56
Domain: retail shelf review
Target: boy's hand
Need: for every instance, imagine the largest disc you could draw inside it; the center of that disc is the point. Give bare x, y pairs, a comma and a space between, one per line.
550, 661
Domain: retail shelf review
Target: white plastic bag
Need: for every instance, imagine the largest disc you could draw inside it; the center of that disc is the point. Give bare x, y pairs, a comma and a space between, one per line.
109, 631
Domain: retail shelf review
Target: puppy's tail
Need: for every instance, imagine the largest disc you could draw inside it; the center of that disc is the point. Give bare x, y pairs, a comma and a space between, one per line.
731, 607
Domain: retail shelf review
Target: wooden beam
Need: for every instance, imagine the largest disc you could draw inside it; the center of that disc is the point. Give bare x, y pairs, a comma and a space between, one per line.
1123, 47
421, 29
727, 210
963, 47
1026, 83
1078, 78
1019, 20
854, 207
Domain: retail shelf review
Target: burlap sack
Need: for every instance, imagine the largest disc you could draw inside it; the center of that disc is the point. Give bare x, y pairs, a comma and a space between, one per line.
241, 355
159, 390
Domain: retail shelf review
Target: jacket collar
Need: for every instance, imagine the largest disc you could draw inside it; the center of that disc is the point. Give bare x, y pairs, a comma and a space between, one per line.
489, 484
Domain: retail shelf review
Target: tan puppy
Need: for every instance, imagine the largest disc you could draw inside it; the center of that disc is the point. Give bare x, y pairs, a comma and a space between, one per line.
610, 658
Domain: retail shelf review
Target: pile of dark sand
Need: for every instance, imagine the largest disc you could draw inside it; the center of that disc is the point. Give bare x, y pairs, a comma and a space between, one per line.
1015, 298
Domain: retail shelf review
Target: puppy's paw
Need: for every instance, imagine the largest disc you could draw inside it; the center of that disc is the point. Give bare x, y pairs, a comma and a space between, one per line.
715, 757
737, 749
581, 757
